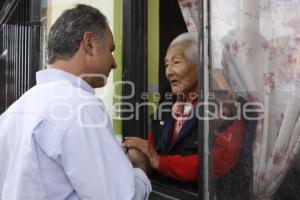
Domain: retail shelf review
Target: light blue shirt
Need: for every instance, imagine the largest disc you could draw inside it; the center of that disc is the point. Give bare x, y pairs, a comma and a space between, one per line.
57, 143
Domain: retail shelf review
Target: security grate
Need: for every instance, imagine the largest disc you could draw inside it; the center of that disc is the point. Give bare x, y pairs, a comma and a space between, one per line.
19, 53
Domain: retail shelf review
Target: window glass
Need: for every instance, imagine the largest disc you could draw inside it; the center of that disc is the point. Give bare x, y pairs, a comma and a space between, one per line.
255, 61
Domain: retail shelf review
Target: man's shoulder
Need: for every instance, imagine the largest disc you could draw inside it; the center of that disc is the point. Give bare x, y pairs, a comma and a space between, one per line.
55, 100
64, 92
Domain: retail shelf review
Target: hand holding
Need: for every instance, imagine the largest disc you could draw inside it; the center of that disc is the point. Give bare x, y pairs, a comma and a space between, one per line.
145, 147
139, 160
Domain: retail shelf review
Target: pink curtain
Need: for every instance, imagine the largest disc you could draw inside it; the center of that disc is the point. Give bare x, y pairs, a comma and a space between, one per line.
256, 45
189, 10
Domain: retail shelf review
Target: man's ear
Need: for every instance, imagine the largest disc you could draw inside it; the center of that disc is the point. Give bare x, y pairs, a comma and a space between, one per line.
89, 42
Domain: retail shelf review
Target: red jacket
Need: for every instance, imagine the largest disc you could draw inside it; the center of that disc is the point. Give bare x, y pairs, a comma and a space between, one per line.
225, 152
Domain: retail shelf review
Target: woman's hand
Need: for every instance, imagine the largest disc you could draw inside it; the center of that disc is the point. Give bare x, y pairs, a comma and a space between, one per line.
145, 147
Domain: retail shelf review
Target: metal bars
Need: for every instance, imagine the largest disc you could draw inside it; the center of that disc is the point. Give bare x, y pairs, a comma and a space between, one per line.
18, 59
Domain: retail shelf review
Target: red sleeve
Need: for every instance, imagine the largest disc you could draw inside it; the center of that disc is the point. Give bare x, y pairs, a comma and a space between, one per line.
184, 168
225, 151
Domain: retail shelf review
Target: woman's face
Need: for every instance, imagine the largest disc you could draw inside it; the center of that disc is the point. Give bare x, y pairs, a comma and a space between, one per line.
180, 71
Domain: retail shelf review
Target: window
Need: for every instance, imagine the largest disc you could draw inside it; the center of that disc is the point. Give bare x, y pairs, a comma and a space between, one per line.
251, 59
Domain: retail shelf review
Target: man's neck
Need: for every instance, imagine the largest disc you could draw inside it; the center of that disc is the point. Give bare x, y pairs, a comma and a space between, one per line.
69, 66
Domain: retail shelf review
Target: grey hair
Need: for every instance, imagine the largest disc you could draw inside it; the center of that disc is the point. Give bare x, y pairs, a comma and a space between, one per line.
190, 38
67, 32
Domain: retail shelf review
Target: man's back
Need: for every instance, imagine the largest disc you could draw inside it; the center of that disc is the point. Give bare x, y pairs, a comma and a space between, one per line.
56, 143
17, 173
31, 128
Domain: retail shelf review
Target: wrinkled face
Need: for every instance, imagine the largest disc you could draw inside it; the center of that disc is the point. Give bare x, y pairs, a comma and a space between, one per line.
103, 61
180, 71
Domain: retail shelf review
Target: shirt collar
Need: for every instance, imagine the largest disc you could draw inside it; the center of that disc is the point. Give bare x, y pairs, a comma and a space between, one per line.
50, 75
182, 107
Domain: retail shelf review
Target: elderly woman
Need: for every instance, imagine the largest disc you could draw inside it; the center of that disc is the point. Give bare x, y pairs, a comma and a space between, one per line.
172, 147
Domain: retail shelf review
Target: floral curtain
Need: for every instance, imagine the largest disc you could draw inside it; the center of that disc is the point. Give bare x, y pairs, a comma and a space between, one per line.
256, 45
189, 9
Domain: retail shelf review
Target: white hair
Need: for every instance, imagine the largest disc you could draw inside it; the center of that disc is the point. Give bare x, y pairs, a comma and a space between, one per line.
190, 38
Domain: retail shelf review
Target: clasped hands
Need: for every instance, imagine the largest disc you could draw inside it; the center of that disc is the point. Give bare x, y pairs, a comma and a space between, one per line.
141, 153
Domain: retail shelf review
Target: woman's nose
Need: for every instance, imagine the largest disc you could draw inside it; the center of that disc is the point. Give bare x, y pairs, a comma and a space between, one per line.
169, 70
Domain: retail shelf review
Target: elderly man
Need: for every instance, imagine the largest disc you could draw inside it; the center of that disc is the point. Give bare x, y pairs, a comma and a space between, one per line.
172, 148
56, 141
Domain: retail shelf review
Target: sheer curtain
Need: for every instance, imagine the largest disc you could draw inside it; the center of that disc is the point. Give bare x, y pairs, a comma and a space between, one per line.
256, 45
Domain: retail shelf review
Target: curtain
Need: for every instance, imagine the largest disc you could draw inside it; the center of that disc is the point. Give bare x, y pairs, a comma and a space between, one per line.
189, 10
256, 46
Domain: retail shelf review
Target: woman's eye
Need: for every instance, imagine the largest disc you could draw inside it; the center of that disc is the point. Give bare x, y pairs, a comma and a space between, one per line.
176, 62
